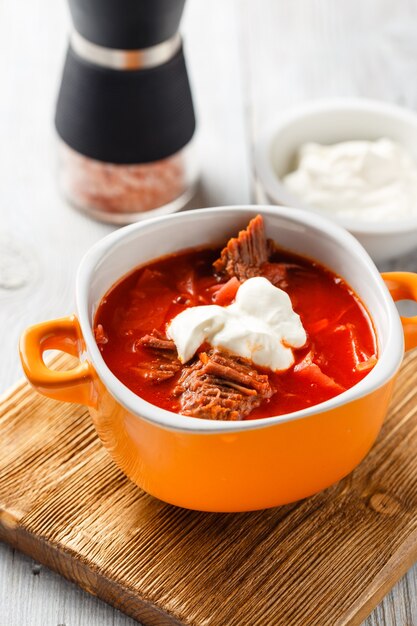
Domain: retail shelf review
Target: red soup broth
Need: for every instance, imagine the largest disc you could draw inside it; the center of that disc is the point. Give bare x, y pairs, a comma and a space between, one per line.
340, 351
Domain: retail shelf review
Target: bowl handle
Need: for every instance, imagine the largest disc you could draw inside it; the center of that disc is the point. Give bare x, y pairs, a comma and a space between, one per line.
403, 286
74, 385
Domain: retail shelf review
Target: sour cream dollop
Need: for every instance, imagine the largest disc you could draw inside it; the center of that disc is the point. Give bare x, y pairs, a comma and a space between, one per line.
259, 325
367, 180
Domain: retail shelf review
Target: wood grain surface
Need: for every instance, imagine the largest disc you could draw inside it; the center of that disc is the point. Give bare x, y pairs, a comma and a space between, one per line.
248, 60
326, 560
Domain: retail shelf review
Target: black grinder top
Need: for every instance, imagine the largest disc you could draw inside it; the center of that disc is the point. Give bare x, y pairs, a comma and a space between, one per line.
126, 24
133, 115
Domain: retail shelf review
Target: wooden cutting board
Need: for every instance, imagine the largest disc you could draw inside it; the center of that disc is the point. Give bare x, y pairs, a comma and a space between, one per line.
324, 561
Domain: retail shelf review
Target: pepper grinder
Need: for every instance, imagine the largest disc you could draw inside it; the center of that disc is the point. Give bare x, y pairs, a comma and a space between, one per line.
124, 116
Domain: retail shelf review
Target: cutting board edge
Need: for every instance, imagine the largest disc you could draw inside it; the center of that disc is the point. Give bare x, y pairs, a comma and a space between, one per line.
63, 563
401, 561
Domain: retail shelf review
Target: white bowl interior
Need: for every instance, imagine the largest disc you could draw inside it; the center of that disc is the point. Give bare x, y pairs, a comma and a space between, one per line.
302, 232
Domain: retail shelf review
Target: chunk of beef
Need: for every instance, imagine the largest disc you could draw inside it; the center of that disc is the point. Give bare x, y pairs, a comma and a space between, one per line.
157, 370
163, 363
243, 255
276, 273
222, 387
157, 341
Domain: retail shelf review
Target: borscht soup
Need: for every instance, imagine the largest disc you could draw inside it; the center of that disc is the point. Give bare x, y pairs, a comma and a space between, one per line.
246, 331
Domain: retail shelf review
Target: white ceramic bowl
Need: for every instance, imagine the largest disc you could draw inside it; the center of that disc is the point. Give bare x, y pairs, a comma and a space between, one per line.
332, 121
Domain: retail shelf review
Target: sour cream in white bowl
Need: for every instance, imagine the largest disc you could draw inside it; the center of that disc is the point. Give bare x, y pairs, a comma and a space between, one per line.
372, 189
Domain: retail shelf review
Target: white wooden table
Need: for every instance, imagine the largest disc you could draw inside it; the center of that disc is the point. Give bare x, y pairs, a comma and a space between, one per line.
248, 60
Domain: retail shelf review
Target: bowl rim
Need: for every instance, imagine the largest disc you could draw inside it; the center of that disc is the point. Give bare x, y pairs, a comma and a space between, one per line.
386, 367
276, 190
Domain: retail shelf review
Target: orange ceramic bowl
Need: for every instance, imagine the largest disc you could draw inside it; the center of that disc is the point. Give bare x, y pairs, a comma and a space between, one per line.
226, 466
